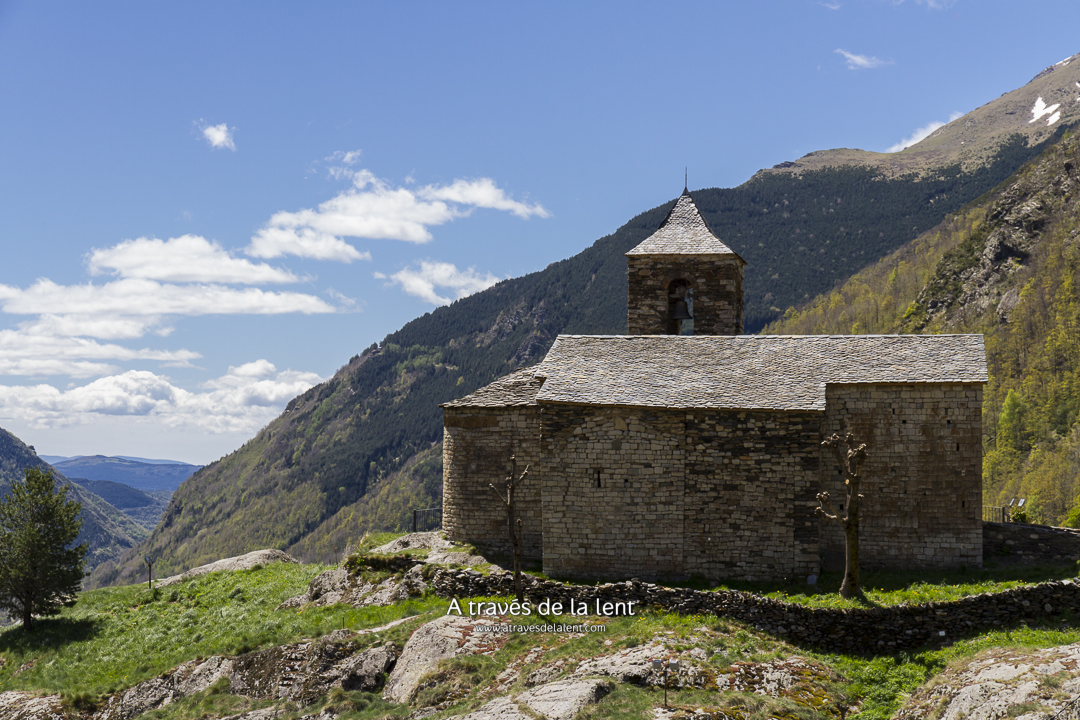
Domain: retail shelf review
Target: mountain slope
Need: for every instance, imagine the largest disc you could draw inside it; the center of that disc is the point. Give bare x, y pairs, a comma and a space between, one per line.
1050, 100
800, 233
1007, 266
107, 530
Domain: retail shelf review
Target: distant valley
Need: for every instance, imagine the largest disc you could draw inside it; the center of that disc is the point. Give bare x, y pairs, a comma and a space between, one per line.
146, 475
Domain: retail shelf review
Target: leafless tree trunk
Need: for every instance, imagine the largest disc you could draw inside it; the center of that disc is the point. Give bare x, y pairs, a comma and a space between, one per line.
850, 458
513, 523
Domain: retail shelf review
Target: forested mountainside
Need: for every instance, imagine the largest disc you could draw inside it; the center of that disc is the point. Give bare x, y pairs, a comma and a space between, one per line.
107, 530
1007, 266
291, 485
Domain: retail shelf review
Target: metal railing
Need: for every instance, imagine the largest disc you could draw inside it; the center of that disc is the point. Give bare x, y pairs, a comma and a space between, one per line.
427, 519
992, 513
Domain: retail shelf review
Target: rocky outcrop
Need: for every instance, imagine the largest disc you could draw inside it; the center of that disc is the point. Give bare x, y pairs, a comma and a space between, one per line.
300, 672
242, 562
17, 705
304, 672
414, 541
997, 683
341, 586
446, 637
187, 679
554, 701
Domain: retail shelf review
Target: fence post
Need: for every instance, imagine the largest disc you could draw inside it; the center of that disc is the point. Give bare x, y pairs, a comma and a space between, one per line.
414, 520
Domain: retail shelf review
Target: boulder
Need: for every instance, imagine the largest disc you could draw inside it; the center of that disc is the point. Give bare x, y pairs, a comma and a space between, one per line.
633, 665
339, 586
414, 541
564, 699
242, 562
17, 705
447, 557
555, 701
440, 639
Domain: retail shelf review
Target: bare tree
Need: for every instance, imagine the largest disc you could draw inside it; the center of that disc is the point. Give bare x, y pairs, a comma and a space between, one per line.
850, 457
513, 523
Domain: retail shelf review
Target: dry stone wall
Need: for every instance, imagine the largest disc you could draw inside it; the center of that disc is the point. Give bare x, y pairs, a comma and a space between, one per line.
717, 283
869, 631
923, 474
477, 445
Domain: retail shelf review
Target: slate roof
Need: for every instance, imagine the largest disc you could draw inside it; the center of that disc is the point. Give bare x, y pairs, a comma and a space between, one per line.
683, 232
751, 372
516, 389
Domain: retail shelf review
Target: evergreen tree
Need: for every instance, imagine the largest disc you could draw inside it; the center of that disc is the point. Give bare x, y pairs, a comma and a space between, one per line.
39, 570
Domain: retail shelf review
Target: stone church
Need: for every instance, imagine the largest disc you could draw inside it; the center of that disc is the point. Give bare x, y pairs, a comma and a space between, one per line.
688, 449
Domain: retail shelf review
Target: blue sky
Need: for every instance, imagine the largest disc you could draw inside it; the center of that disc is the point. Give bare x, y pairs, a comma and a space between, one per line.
207, 207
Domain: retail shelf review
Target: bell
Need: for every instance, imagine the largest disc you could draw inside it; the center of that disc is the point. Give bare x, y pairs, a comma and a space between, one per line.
680, 311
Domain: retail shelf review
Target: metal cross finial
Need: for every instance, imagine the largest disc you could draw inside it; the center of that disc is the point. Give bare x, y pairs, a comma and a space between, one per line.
686, 176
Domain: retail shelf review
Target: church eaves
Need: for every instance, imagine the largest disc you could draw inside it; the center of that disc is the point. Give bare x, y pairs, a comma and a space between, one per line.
683, 232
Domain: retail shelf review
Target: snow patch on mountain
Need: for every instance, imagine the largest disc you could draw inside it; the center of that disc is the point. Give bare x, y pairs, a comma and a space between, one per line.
1041, 108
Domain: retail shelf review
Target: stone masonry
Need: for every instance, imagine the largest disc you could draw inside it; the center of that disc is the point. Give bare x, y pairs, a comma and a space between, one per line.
477, 444
716, 281
923, 487
658, 455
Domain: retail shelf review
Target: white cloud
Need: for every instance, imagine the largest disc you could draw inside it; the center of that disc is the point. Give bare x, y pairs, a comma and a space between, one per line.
138, 298
861, 62
350, 157
242, 400
422, 282
219, 136
35, 349
922, 133
188, 258
371, 208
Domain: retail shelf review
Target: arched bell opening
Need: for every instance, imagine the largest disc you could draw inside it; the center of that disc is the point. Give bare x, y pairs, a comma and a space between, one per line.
680, 320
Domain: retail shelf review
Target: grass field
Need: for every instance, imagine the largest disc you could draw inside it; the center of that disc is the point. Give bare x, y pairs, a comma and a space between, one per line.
114, 638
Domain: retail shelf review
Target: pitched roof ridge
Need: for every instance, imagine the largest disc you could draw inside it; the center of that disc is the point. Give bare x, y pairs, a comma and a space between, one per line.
684, 231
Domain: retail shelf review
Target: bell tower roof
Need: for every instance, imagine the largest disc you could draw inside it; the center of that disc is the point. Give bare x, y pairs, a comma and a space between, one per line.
683, 232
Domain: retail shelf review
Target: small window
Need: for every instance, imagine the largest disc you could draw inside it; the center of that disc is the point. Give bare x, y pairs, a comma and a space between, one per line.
598, 479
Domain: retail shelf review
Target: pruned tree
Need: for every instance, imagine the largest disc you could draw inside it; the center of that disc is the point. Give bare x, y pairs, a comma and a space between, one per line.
40, 568
850, 457
513, 522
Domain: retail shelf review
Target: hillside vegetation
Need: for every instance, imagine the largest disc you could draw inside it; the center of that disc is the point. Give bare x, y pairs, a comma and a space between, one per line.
114, 639
296, 485
1007, 266
107, 530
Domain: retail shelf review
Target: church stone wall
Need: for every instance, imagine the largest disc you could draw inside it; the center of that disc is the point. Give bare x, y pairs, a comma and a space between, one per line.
717, 282
923, 486
613, 492
751, 480
634, 492
477, 445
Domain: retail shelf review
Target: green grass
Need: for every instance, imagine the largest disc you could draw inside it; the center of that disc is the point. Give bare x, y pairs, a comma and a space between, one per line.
115, 637
883, 588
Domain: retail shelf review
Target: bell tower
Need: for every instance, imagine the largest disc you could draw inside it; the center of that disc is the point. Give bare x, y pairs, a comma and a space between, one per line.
682, 280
